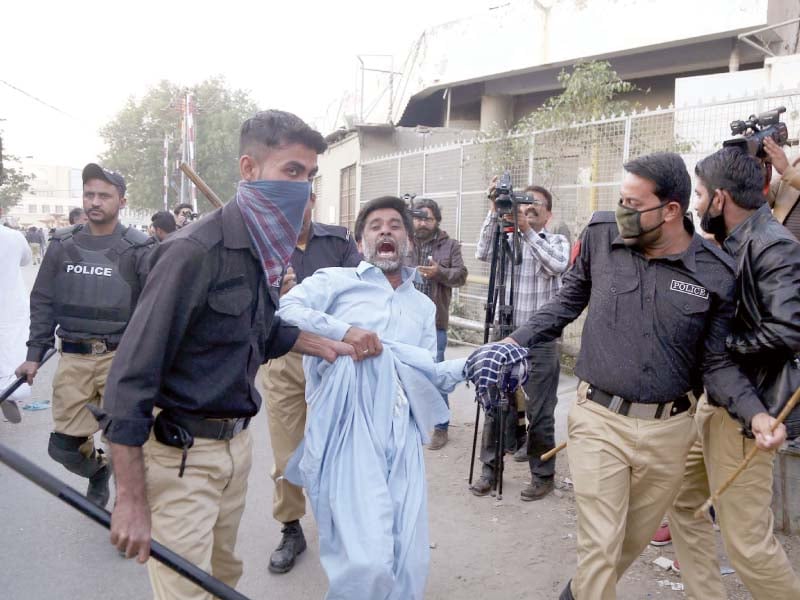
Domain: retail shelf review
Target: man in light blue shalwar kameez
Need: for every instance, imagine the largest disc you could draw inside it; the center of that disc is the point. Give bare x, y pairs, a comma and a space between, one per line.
361, 461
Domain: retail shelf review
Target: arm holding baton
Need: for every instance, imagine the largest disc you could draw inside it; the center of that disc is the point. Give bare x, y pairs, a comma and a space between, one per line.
9, 407
704, 509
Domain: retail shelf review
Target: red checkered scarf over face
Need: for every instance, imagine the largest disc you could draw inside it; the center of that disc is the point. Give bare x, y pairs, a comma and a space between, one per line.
273, 214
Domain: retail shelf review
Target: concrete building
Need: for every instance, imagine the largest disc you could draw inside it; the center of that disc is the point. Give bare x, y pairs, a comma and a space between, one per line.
54, 192
476, 74
492, 69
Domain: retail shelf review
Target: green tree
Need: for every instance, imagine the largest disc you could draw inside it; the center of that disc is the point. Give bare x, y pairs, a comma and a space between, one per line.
135, 140
14, 183
591, 92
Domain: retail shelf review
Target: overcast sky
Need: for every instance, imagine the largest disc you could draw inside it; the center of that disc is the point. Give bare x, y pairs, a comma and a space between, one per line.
85, 58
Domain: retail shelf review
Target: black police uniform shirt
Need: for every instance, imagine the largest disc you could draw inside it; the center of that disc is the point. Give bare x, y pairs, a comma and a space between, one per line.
204, 324
80, 289
655, 329
327, 246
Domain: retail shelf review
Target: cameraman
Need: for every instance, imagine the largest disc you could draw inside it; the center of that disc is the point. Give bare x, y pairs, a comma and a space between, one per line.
441, 268
184, 214
537, 279
784, 193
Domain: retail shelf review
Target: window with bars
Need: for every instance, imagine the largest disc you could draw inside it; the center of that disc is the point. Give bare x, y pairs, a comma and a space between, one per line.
347, 196
31, 208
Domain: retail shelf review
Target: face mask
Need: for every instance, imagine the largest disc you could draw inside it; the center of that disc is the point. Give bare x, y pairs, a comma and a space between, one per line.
714, 225
629, 220
287, 197
273, 214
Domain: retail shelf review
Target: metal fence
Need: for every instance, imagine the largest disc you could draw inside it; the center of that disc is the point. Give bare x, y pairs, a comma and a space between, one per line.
580, 164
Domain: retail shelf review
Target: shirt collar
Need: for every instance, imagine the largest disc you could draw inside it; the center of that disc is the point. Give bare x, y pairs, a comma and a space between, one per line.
365, 267
734, 242
234, 231
314, 231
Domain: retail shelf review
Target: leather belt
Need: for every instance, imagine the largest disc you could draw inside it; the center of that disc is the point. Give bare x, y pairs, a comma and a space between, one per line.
638, 410
211, 429
87, 347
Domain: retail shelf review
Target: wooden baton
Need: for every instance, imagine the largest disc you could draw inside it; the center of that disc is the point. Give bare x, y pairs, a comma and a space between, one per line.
201, 185
746, 461
551, 453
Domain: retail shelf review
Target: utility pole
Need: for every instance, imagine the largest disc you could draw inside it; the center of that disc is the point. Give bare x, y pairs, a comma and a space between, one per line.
166, 171
190, 132
391, 72
188, 190
182, 199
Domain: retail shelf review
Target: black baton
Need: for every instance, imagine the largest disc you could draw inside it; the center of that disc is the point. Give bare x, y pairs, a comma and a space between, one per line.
76, 500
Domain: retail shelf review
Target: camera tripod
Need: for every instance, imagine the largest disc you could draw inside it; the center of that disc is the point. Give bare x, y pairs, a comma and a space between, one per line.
506, 253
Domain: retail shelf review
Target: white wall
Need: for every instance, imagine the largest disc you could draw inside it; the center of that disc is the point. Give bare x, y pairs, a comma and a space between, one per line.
524, 34
338, 156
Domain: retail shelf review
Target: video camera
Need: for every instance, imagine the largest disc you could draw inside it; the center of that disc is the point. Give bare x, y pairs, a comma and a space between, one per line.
752, 133
505, 198
188, 215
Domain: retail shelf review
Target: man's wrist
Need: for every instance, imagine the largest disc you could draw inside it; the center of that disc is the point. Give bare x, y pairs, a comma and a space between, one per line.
35, 354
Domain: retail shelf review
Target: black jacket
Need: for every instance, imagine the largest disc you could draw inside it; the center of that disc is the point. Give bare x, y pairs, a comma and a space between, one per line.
765, 336
204, 324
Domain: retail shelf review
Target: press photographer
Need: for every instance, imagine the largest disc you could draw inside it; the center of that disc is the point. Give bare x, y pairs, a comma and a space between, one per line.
784, 193
184, 214
543, 257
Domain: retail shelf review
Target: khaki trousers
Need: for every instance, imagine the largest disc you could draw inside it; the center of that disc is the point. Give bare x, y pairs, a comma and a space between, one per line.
197, 515
284, 384
626, 472
743, 513
80, 379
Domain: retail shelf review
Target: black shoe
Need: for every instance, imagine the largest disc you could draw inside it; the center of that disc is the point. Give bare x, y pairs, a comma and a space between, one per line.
538, 489
98, 487
293, 543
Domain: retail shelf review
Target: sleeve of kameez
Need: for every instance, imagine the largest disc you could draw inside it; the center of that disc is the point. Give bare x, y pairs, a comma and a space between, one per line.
306, 305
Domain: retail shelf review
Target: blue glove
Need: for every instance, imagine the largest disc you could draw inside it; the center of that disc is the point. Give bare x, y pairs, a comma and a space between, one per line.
500, 366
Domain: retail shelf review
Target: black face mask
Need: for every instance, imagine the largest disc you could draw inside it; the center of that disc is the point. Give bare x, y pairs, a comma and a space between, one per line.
714, 225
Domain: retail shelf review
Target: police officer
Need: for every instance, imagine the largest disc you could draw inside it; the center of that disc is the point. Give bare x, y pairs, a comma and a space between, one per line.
204, 324
87, 285
284, 382
660, 302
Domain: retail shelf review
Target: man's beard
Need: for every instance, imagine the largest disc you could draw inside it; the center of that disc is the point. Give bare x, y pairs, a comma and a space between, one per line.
387, 265
100, 217
424, 234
